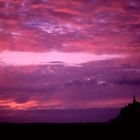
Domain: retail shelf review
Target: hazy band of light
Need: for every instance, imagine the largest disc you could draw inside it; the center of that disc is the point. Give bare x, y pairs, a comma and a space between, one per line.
18, 58
59, 104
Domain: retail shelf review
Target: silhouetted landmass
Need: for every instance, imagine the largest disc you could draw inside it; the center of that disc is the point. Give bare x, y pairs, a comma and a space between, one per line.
129, 115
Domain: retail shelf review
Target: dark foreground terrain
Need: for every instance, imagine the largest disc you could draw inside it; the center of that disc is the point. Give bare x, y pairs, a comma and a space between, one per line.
69, 130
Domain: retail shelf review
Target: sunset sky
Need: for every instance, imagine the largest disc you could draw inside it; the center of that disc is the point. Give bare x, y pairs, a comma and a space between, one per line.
68, 54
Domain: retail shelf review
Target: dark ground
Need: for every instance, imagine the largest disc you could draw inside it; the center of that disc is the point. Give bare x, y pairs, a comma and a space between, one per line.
69, 131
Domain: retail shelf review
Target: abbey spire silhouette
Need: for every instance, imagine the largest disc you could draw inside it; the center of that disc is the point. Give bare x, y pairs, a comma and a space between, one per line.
134, 99
130, 114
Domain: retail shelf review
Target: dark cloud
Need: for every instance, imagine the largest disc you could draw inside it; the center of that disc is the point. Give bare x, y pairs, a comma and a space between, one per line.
21, 95
131, 82
82, 82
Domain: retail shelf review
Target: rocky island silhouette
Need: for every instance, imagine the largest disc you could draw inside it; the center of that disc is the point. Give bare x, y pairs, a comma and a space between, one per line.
129, 115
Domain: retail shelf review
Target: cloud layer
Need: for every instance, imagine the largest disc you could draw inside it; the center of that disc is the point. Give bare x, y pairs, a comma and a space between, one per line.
67, 54
99, 26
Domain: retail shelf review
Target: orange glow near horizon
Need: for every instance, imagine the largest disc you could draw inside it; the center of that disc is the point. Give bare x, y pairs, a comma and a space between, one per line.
54, 103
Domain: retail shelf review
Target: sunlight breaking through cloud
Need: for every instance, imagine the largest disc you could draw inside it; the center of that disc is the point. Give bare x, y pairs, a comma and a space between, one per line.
17, 58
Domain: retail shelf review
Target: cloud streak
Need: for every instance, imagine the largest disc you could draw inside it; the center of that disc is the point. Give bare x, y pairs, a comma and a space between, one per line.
54, 57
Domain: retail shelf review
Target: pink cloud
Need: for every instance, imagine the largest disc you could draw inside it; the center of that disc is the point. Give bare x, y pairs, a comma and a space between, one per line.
10, 104
30, 104
32, 58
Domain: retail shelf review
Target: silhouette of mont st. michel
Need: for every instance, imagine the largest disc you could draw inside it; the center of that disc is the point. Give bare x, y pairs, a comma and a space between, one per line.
129, 115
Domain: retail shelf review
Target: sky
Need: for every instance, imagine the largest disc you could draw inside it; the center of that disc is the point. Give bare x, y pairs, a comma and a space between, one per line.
68, 54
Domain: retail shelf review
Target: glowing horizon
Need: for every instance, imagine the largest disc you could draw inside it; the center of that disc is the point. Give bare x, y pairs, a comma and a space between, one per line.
19, 58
